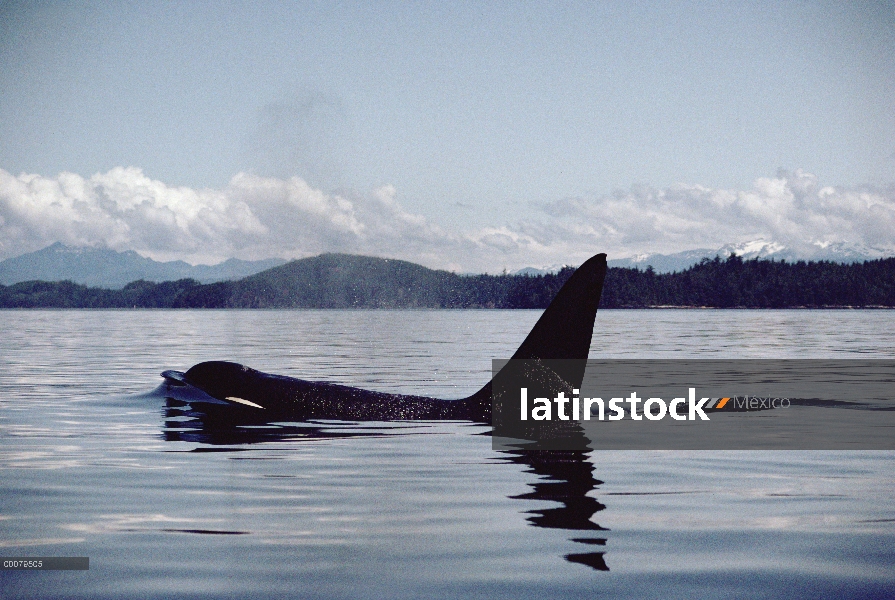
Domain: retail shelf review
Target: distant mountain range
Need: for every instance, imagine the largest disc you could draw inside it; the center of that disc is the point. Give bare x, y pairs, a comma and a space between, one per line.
673, 263
102, 267
107, 268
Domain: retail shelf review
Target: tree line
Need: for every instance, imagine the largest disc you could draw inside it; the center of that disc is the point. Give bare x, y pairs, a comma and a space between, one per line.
347, 281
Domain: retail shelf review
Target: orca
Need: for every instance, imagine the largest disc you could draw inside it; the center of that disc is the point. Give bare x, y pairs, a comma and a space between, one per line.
563, 332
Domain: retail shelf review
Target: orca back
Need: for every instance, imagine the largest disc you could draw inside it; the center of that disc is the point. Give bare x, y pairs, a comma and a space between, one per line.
563, 332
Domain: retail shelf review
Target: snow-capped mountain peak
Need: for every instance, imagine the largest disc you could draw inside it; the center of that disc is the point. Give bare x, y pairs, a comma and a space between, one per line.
830, 251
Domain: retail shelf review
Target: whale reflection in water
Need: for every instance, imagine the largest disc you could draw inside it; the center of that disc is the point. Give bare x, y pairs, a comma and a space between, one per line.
567, 478
563, 476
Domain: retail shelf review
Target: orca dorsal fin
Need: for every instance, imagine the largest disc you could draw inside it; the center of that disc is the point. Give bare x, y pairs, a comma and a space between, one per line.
565, 329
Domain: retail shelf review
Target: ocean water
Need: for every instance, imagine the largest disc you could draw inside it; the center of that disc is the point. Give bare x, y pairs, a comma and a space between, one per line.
92, 463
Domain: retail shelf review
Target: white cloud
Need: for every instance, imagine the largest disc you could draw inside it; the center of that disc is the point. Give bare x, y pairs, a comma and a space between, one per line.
790, 209
259, 217
253, 217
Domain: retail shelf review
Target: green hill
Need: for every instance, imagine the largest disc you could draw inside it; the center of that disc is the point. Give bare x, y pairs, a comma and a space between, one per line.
344, 281
348, 281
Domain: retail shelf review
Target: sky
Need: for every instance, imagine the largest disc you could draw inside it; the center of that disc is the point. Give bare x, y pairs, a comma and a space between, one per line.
473, 136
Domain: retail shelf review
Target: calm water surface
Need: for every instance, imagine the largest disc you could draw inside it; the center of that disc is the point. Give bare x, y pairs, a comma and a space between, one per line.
92, 464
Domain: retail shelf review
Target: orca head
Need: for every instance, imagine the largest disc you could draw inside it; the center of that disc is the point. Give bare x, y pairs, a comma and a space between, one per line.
225, 380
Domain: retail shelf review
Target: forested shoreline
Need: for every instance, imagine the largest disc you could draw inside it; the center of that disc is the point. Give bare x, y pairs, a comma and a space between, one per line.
347, 281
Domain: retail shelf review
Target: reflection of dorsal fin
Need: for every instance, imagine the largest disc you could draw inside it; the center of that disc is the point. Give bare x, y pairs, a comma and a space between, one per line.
565, 329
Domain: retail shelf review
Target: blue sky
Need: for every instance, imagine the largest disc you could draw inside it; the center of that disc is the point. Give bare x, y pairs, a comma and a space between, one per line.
478, 121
